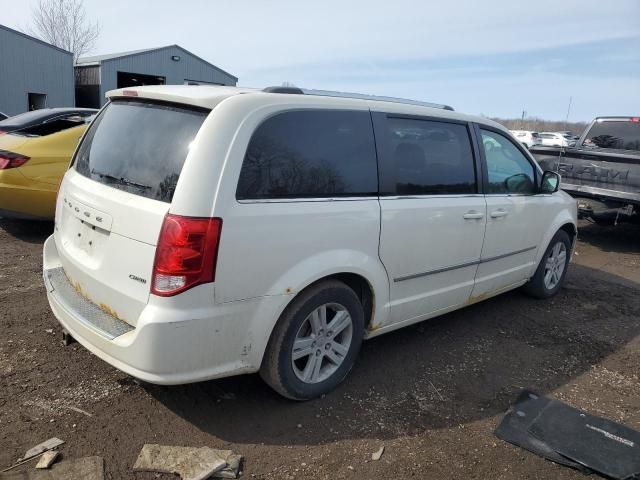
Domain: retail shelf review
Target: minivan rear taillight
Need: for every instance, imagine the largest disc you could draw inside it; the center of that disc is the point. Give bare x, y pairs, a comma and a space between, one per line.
186, 254
12, 160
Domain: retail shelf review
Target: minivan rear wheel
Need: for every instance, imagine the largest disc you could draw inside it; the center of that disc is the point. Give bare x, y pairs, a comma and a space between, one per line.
551, 271
315, 342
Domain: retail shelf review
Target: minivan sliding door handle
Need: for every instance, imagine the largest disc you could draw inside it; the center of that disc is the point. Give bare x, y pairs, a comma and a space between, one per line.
501, 212
473, 214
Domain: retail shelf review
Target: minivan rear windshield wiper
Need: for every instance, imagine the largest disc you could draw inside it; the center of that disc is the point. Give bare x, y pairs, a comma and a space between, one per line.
120, 180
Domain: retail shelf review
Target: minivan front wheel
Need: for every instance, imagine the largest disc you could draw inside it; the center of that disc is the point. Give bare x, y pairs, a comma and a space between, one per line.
549, 276
315, 343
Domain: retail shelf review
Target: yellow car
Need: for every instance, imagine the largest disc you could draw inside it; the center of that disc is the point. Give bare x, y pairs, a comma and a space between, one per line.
35, 150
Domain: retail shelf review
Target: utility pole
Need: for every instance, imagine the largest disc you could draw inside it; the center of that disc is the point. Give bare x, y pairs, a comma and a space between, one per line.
524, 112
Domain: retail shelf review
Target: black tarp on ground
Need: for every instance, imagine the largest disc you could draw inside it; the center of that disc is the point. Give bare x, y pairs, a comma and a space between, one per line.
514, 429
571, 437
602, 445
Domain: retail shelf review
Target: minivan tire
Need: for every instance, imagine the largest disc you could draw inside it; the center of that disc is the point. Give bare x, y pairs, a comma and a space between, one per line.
537, 287
278, 369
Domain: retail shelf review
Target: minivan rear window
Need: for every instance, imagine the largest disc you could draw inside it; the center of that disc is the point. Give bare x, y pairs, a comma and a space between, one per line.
139, 146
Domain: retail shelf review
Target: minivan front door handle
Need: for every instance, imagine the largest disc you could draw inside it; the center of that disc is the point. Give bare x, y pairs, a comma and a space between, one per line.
473, 214
501, 212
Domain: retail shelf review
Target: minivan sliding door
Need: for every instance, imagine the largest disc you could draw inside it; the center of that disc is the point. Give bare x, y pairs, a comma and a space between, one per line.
433, 216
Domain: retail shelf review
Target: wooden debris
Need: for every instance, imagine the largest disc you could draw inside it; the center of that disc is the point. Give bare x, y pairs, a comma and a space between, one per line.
47, 459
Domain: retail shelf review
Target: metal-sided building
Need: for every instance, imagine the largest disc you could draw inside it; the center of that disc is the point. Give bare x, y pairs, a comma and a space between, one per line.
170, 65
33, 73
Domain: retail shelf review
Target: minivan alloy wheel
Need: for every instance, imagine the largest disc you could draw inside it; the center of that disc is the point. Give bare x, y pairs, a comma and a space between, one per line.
554, 266
322, 343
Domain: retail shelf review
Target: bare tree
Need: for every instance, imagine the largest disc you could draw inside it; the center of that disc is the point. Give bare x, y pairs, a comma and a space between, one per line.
64, 23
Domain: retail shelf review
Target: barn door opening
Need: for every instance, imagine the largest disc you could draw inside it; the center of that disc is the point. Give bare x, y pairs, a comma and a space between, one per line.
128, 79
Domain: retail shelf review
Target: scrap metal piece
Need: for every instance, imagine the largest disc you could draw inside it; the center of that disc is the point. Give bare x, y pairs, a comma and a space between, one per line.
191, 463
47, 459
88, 468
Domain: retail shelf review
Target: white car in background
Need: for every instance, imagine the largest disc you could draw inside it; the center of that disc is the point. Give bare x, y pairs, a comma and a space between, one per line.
203, 232
527, 138
552, 139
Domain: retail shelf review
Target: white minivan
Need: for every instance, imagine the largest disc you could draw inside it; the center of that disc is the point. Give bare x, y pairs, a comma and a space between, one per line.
203, 232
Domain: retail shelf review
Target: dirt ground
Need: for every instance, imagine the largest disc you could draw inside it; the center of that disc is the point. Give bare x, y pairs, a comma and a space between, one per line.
432, 393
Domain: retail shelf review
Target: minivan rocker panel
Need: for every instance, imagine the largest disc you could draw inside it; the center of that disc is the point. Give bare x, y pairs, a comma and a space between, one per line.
203, 232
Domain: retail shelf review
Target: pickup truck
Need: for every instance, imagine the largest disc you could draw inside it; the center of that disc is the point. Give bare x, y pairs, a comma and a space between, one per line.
602, 170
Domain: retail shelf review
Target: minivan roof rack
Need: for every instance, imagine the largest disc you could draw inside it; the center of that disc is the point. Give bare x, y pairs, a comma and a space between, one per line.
360, 96
294, 90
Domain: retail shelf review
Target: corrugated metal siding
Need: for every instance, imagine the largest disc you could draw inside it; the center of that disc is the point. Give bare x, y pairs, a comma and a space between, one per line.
159, 63
27, 65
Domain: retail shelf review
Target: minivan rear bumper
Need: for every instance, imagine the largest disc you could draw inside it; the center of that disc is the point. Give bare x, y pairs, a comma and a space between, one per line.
168, 346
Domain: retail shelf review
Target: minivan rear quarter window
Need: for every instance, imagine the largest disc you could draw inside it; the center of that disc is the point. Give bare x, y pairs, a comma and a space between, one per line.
310, 153
139, 146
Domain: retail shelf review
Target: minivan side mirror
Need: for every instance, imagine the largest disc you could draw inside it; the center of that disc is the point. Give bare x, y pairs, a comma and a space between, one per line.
550, 182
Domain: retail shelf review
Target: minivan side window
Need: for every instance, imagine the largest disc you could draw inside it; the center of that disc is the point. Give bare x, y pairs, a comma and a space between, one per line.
430, 157
310, 153
508, 170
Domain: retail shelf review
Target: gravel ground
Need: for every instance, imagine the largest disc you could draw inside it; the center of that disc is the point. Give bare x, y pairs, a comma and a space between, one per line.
432, 393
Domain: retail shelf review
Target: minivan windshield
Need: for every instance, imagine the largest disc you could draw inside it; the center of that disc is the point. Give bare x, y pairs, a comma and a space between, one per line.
139, 146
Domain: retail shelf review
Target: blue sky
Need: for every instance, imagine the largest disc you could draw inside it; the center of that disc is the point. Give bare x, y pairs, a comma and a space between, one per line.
484, 57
